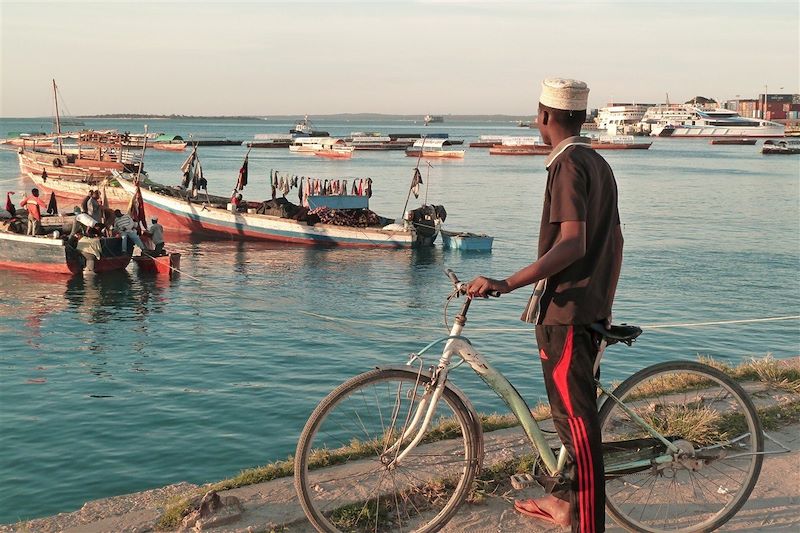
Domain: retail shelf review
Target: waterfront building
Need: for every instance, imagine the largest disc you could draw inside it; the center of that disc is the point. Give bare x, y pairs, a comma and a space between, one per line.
779, 106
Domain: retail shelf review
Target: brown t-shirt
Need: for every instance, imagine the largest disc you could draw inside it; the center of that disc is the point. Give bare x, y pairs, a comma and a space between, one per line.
580, 187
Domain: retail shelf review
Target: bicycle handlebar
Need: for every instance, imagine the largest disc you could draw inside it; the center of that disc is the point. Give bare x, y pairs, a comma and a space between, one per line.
461, 287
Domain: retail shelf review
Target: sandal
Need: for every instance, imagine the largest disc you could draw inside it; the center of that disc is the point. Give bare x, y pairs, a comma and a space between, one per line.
531, 508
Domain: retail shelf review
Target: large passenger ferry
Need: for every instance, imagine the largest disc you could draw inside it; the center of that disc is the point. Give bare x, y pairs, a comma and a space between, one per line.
690, 121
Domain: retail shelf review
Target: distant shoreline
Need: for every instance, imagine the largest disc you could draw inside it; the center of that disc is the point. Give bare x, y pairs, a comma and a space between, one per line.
284, 118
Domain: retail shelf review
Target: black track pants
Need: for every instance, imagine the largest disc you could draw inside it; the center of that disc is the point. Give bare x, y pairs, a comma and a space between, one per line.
568, 354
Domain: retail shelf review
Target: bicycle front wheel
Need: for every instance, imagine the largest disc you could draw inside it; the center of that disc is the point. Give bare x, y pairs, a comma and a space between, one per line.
346, 475
713, 422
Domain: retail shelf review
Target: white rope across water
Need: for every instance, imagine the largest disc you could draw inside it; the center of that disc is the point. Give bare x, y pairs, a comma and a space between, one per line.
394, 325
517, 329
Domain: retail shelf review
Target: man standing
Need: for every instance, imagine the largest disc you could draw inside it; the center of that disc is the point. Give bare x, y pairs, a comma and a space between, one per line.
93, 208
34, 205
156, 231
579, 259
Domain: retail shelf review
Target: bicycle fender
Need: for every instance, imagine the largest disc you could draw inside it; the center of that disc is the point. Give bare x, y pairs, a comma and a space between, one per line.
475, 418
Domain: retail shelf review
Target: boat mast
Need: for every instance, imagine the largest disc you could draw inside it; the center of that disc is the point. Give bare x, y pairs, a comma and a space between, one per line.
58, 120
141, 160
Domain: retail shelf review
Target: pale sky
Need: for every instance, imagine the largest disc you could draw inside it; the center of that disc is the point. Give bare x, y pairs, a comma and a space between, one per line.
405, 57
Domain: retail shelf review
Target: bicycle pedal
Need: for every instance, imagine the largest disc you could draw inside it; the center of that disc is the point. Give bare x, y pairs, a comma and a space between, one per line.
522, 481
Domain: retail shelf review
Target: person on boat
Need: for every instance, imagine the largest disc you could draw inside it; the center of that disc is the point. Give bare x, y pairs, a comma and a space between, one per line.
238, 202
34, 205
579, 259
91, 205
156, 233
85, 201
44, 174
126, 227
89, 244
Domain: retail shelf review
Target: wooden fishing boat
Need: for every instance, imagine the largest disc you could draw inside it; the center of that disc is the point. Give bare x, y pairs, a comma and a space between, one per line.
168, 264
433, 148
73, 191
744, 141
487, 141
169, 146
54, 253
214, 216
87, 155
335, 150
619, 142
503, 149
270, 140
41, 140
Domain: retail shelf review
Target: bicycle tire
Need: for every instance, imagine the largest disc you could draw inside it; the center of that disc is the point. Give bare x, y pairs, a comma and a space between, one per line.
330, 509
686, 399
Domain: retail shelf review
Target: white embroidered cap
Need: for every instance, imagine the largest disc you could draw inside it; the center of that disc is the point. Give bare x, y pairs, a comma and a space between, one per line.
559, 93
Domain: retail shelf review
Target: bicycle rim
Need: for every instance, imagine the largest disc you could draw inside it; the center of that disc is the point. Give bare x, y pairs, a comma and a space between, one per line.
711, 419
342, 472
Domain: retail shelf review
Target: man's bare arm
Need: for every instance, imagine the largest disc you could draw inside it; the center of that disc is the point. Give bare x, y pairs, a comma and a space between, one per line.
570, 247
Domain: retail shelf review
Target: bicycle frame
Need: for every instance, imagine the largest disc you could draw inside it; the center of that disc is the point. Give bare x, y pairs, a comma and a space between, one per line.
459, 346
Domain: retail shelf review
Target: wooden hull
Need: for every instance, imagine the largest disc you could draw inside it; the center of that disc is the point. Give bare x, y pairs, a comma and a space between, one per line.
748, 142
334, 154
618, 146
57, 166
179, 215
257, 144
438, 154
519, 150
29, 142
71, 191
43, 254
162, 264
169, 147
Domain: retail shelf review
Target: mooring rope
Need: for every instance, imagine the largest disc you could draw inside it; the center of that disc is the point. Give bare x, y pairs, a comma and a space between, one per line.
394, 325
517, 329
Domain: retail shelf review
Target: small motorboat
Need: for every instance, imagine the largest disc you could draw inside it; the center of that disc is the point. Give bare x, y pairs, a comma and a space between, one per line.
467, 241
785, 147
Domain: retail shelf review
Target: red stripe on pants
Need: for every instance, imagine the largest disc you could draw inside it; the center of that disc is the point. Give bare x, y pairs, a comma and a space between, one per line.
590, 494
583, 460
562, 370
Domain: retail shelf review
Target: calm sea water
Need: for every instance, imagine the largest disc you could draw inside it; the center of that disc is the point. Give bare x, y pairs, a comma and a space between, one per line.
125, 382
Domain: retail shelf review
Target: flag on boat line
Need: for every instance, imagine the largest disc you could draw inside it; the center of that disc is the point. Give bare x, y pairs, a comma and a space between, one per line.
10, 205
52, 205
416, 181
242, 181
136, 208
186, 168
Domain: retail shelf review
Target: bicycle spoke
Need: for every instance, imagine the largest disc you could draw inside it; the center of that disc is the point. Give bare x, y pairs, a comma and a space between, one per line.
358, 434
697, 408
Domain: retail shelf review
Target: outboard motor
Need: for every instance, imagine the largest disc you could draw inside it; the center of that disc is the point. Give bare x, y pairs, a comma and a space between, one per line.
427, 221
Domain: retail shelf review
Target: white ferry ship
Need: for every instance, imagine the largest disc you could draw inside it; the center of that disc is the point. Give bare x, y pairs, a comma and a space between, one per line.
618, 118
690, 121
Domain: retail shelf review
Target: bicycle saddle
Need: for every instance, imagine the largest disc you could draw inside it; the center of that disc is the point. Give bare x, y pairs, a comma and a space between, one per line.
622, 333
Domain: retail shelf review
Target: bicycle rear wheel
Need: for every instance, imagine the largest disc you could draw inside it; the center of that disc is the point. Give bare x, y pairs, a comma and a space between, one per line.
343, 475
715, 425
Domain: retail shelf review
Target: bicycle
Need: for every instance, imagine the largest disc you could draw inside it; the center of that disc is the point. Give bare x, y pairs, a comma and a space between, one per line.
398, 447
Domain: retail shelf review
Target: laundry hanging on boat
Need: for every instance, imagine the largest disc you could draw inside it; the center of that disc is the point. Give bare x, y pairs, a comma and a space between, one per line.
52, 206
